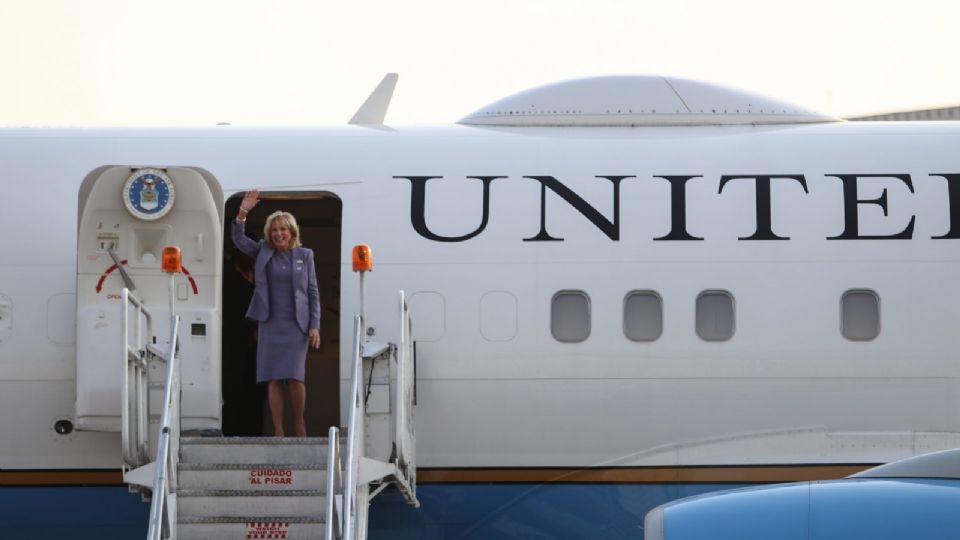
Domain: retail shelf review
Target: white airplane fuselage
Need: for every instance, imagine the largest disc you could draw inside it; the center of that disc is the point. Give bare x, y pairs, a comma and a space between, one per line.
849, 207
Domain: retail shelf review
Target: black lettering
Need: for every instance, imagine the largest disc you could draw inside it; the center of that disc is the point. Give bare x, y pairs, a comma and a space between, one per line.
762, 187
607, 227
851, 204
678, 208
953, 186
418, 188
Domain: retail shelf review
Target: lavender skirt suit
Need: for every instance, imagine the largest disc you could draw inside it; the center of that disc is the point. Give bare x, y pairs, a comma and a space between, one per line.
286, 303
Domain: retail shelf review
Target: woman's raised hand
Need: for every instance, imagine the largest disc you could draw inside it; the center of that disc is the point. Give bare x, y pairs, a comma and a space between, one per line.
250, 199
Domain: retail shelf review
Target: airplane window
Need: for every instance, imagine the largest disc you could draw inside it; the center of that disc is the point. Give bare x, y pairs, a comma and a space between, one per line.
642, 316
62, 318
498, 316
715, 316
6, 317
860, 315
570, 316
428, 311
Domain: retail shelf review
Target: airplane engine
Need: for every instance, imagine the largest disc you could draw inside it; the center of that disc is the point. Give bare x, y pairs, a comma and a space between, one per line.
886, 502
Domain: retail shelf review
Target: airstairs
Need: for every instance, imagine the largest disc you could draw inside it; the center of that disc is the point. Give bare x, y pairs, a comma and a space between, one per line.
251, 487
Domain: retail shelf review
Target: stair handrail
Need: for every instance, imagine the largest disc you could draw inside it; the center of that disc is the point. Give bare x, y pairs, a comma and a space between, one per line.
354, 434
162, 517
404, 435
134, 416
334, 484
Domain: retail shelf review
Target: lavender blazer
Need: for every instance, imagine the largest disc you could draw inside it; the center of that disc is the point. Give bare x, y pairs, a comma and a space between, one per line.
306, 295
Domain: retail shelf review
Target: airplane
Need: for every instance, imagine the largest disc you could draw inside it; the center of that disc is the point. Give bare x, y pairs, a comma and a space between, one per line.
915, 497
623, 290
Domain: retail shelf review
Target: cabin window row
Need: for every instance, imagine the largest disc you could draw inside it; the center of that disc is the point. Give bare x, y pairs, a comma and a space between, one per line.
715, 315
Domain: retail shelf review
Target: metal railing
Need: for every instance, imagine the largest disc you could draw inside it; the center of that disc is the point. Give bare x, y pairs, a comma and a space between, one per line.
404, 436
162, 516
332, 529
354, 435
403, 432
134, 416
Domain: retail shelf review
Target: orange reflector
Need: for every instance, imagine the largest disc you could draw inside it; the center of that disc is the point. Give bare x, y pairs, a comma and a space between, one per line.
171, 260
362, 258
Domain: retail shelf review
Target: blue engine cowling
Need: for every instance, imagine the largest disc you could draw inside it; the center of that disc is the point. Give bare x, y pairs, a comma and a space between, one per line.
895, 508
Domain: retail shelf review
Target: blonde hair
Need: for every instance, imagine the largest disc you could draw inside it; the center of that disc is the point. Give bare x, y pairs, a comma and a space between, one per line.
291, 223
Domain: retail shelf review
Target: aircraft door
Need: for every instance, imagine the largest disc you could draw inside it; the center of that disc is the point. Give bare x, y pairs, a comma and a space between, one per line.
127, 216
318, 214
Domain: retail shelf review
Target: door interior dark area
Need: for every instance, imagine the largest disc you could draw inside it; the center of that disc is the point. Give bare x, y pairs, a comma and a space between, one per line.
318, 215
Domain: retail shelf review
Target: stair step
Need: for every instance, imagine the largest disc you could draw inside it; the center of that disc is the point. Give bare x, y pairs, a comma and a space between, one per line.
251, 476
242, 450
244, 503
224, 528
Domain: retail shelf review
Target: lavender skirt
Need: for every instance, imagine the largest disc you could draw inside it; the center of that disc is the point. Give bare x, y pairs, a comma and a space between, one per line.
281, 345
281, 351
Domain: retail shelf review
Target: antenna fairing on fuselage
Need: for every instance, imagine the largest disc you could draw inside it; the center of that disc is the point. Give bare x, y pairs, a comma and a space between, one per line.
632, 100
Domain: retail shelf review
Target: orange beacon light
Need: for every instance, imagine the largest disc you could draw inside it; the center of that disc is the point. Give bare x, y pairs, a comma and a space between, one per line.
172, 262
362, 258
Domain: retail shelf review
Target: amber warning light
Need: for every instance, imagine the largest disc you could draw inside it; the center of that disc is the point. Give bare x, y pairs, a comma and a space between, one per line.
362, 258
171, 260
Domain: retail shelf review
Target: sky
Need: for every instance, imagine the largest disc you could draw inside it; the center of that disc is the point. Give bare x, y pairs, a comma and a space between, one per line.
313, 62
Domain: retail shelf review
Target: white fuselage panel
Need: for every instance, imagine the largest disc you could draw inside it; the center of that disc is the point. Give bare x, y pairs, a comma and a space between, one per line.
495, 388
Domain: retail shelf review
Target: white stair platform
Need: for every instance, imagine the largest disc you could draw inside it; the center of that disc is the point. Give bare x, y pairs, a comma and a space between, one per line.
242, 476
266, 450
251, 487
230, 503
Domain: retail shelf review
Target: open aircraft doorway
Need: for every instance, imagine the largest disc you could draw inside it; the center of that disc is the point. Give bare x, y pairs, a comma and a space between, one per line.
245, 412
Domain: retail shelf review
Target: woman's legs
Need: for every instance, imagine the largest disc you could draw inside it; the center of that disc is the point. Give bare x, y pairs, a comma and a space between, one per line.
275, 398
298, 402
